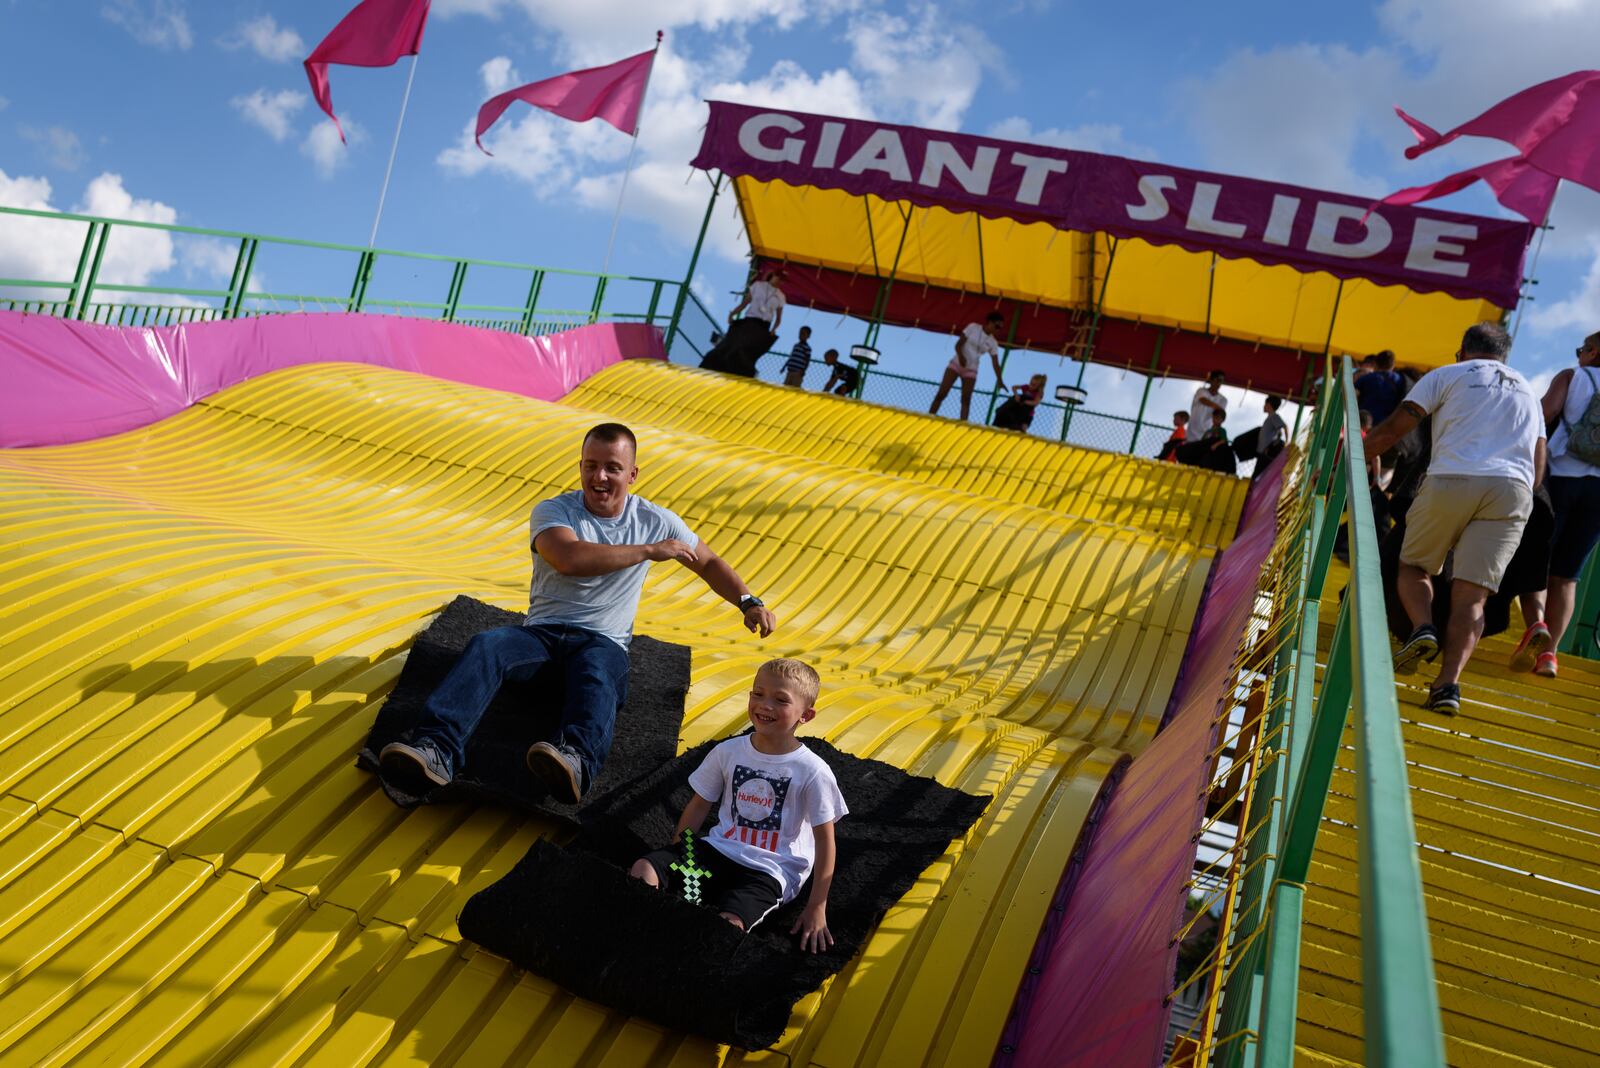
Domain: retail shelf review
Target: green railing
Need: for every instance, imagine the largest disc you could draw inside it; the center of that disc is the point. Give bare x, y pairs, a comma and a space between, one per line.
1300, 733
516, 297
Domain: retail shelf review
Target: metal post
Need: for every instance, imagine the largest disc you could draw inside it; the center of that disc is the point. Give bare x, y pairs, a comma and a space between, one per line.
531, 305
694, 259
876, 323
239, 285
94, 270
1094, 330
599, 299
452, 300
1149, 380
358, 291
1005, 357
73, 308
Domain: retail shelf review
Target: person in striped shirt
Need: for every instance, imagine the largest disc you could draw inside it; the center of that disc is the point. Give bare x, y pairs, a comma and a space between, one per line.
794, 369
776, 804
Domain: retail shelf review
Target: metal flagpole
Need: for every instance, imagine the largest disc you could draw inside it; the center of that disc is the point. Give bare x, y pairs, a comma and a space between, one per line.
617, 215
393, 148
1534, 264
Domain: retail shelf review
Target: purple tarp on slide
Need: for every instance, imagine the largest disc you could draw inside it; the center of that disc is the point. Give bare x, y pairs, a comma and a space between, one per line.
1101, 997
68, 381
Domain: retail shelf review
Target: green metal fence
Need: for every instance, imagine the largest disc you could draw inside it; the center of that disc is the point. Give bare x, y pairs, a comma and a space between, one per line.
1299, 733
517, 297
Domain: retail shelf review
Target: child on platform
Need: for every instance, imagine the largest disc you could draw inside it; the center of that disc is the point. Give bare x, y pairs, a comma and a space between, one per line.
846, 376
1180, 434
776, 806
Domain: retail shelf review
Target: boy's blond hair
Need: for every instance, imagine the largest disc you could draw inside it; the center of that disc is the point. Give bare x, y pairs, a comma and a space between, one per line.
805, 678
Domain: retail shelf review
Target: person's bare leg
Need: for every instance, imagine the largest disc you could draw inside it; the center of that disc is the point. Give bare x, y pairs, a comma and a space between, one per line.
1560, 597
1532, 607
1461, 634
731, 918
943, 391
1416, 594
967, 385
646, 872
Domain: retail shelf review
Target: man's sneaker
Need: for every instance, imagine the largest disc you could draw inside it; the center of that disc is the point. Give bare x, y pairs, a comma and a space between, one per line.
418, 767
1446, 699
560, 769
1422, 645
1545, 665
1535, 642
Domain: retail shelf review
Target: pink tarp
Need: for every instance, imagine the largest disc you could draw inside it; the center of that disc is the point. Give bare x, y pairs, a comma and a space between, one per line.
68, 381
1101, 997
1467, 256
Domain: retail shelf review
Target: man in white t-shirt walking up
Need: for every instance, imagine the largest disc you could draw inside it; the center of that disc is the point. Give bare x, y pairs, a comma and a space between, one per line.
973, 341
750, 335
1488, 457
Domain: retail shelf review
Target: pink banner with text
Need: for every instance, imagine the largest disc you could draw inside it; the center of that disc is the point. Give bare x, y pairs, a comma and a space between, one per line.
1466, 256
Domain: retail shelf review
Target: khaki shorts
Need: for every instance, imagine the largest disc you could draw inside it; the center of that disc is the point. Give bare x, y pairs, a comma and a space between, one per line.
1479, 516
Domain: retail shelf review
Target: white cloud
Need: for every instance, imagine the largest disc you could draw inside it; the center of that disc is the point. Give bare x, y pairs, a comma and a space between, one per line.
48, 249
924, 67
267, 39
1106, 138
273, 112
323, 147
1580, 310
4, 103
499, 75
159, 23
59, 146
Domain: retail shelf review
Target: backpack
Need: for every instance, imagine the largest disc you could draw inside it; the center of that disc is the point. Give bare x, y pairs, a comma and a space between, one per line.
1583, 437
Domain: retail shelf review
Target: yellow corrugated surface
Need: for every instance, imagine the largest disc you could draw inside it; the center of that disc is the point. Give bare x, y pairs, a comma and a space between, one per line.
201, 618
1506, 798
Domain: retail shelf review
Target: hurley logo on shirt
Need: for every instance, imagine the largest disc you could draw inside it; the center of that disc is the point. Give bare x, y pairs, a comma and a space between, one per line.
757, 807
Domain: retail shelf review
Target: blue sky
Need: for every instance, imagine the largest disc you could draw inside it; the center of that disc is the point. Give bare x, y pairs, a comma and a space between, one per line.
199, 113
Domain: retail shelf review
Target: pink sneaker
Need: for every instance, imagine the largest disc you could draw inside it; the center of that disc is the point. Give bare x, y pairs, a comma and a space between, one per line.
1545, 665
1535, 640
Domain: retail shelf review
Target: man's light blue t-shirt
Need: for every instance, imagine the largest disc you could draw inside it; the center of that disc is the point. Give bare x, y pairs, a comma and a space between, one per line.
604, 603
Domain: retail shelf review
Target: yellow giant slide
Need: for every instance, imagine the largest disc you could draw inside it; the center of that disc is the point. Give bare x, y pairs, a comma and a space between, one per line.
200, 619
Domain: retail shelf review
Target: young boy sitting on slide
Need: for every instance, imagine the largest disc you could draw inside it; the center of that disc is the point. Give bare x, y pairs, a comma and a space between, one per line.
778, 804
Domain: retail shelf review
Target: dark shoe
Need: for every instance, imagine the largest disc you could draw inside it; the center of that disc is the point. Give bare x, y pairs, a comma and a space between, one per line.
1534, 644
418, 768
559, 768
1422, 645
1446, 699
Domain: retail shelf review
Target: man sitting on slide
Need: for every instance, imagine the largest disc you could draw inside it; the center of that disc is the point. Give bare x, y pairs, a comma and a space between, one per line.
591, 550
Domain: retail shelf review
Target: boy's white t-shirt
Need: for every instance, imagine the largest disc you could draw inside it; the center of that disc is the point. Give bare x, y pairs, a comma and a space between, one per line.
974, 343
1486, 420
769, 805
765, 300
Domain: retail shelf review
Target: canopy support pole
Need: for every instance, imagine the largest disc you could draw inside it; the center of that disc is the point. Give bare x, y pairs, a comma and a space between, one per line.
1327, 347
1094, 329
1149, 380
881, 306
694, 260
1005, 357
1301, 399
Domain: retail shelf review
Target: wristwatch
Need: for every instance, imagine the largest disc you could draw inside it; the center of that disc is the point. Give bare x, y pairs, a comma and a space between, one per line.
749, 601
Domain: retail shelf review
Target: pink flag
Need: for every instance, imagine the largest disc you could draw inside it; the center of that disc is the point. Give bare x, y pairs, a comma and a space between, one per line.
1517, 184
375, 33
613, 93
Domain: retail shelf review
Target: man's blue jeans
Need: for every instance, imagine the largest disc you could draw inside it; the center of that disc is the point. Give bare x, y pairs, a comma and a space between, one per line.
594, 672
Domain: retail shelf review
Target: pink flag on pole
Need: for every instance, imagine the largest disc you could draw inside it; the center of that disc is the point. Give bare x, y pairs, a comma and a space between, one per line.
613, 93
1517, 184
375, 33
1556, 127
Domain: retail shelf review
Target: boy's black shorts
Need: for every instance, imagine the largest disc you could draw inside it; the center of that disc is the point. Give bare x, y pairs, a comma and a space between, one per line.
731, 887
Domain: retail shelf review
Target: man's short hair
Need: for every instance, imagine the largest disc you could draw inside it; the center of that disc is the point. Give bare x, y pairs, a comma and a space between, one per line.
995, 317
1274, 403
807, 683
1486, 339
610, 434
1384, 360
1218, 373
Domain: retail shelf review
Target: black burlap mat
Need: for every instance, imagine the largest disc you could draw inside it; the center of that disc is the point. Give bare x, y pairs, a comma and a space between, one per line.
574, 916
646, 734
